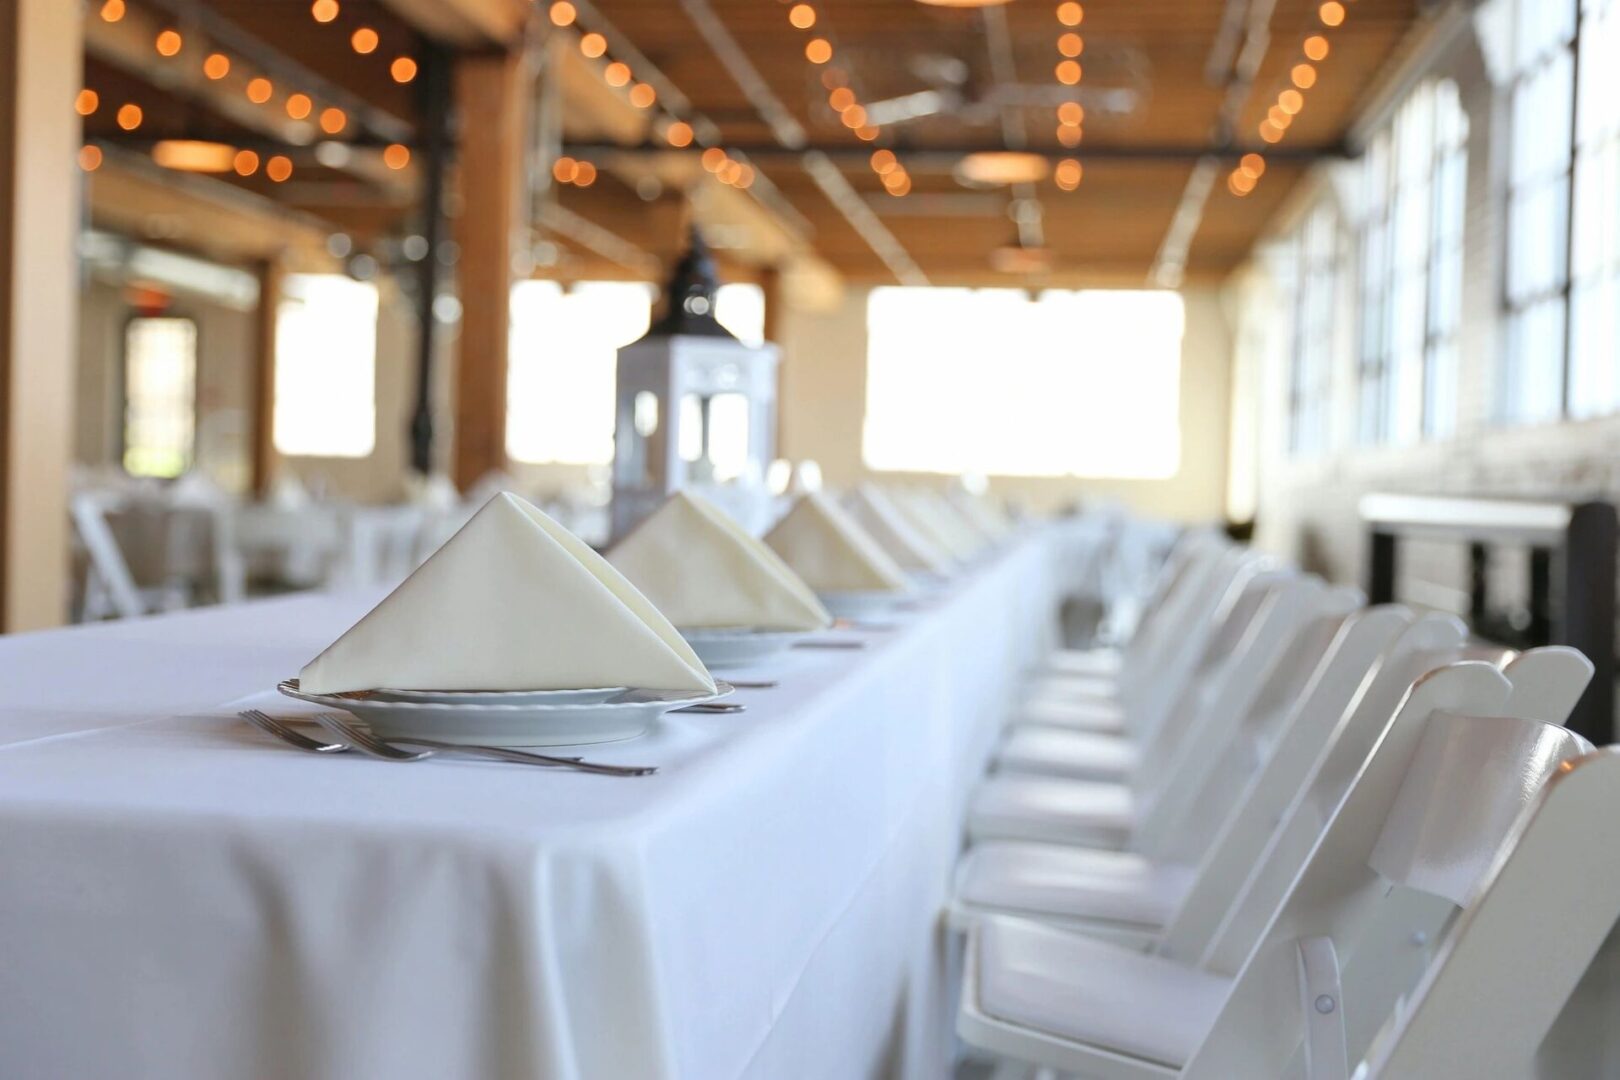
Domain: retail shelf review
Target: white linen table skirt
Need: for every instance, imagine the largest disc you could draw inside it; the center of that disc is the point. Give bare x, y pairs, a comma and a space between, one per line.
183, 899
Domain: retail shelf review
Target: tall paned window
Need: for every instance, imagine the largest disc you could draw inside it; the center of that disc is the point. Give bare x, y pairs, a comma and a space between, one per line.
160, 395
1594, 359
1414, 178
326, 367
1310, 380
992, 381
1531, 386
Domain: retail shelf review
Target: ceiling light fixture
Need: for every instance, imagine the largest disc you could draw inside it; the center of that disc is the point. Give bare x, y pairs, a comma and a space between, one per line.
194, 155
1003, 167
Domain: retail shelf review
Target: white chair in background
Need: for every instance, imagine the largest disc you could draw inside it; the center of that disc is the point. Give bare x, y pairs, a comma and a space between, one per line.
1197, 625
111, 587
1293, 625
1014, 805
1182, 885
1423, 823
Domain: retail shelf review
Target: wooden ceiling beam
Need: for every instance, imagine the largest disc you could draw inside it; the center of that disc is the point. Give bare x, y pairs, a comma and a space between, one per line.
467, 24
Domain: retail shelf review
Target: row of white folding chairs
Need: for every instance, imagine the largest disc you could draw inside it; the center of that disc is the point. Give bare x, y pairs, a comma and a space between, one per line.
1282, 835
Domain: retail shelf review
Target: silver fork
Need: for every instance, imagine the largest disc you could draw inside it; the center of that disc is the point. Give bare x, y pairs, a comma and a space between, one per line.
291, 735
367, 743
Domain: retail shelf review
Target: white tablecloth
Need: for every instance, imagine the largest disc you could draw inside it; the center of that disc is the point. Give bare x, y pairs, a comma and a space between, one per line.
182, 898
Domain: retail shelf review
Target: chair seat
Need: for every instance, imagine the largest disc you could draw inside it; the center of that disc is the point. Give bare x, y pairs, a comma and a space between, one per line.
1094, 992
1084, 662
1090, 689
1104, 716
1056, 882
1020, 806
1084, 755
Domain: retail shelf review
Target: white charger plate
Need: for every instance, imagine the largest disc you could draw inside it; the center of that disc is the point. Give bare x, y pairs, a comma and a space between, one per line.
855, 605
521, 718
736, 646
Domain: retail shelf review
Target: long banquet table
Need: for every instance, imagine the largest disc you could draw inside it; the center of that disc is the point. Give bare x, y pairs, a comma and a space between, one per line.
181, 897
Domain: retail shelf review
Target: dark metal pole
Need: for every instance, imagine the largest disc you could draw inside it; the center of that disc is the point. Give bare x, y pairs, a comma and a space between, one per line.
1381, 567
1587, 619
434, 83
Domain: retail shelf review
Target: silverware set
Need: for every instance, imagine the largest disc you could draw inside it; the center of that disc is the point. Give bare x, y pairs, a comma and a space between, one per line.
353, 737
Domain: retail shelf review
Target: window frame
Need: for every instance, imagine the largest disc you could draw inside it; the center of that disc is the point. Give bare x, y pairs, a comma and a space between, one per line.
132, 317
1508, 356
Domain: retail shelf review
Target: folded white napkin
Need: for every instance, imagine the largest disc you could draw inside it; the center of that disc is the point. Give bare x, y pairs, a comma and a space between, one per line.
513, 601
932, 516
873, 512
826, 548
703, 569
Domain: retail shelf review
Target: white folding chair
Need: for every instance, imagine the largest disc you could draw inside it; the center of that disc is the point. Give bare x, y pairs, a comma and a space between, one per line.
1014, 805
1516, 953
1420, 827
1182, 887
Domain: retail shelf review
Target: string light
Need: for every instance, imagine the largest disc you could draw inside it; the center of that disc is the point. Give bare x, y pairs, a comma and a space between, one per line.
1303, 76
713, 158
130, 116
593, 45
853, 117
585, 174
1279, 117
1331, 13
564, 169
802, 16
1290, 101
642, 96
324, 11
563, 13
246, 163
841, 99
299, 106
364, 41
278, 169
1253, 164
1240, 183
87, 102
217, 66
1270, 132
1069, 135
396, 156
884, 162
1070, 14
1316, 47
259, 90
168, 42
1068, 174
868, 132
818, 50
1071, 112
1071, 44
1068, 73
616, 73
333, 120
679, 134
89, 157
112, 11
403, 69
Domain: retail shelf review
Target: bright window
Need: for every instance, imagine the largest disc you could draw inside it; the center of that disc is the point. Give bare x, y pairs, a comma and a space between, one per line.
1310, 382
1594, 360
326, 367
160, 395
1531, 386
991, 381
564, 353
1414, 176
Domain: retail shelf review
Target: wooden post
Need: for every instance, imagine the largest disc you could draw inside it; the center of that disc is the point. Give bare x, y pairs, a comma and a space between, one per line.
40, 184
770, 283
491, 96
264, 383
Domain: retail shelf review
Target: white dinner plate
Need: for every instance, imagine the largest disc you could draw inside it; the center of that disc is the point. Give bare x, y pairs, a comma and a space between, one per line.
522, 718
735, 646
855, 605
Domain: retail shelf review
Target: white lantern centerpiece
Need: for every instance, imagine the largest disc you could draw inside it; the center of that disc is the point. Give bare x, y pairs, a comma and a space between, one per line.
696, 408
